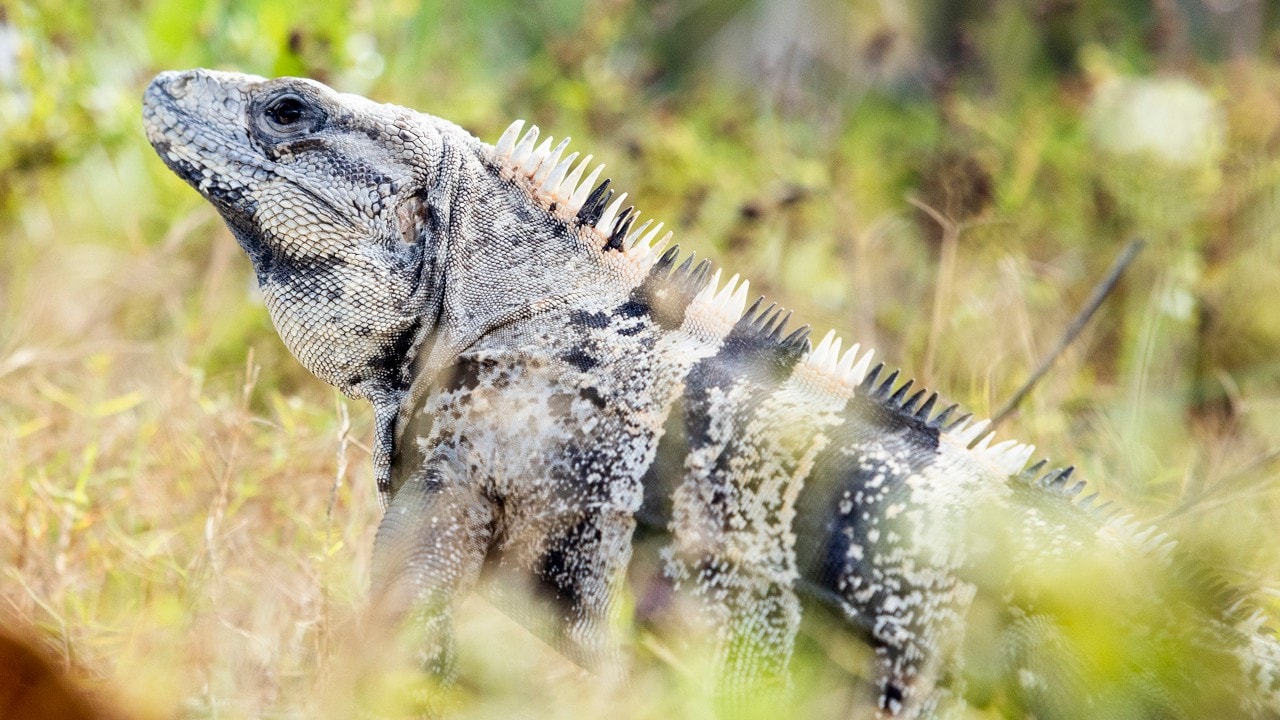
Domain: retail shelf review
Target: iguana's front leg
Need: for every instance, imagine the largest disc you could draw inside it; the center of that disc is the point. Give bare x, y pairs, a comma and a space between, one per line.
427, 555
518, 486
561, 577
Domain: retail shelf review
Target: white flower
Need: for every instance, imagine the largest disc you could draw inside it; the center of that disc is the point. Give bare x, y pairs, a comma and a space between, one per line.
1170, 120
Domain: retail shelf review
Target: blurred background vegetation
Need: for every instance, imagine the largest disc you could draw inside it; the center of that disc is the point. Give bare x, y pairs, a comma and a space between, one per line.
187, 514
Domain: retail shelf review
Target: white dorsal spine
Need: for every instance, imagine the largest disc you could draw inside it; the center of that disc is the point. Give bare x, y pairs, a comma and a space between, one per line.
531, 163
709, 291
836, 371
966, 433
580, 195
524, 147
724, 299
549, 163
605, 223
645, 255
507, 142
570, 184
634, 236
824, 357
984, 443
551, 185
1010, 457
715, 310
737, 303
861, 367
642, 242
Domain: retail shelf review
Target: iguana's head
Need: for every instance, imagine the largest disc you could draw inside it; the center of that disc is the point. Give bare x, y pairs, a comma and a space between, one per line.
327, 193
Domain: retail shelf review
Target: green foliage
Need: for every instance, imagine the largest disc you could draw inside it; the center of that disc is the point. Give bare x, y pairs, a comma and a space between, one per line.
185, 504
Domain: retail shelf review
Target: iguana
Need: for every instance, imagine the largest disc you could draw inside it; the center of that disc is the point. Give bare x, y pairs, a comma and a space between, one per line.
546, 374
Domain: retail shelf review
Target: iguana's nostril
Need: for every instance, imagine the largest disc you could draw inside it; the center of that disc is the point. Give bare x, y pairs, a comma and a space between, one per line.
173, 84
177, 86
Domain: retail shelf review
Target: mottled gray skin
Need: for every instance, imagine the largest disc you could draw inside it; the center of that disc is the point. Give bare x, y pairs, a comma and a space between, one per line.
525, 357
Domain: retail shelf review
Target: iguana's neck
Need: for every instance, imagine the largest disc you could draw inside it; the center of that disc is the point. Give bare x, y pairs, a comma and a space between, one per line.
503, 260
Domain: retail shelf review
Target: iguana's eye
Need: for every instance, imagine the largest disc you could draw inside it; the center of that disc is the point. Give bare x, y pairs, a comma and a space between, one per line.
285, 112
287, 117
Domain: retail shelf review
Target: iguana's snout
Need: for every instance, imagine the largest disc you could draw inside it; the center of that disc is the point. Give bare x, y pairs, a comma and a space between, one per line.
195, 121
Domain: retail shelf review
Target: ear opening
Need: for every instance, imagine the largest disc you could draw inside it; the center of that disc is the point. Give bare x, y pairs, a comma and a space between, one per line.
413, 216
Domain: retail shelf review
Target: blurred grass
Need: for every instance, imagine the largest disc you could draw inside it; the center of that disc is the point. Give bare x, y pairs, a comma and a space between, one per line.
188, 516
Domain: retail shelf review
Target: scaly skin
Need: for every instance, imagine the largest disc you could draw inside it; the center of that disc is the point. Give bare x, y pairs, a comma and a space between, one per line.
526, 348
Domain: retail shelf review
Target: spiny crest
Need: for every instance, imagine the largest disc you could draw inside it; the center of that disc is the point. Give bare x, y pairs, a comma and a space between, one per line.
550, 176
1142, 537
1004, 458
1236, 605
897, 400
560, 185
1146, 539
832, 372
1008, 457
715, 310
666, 291
687, 279
770, 323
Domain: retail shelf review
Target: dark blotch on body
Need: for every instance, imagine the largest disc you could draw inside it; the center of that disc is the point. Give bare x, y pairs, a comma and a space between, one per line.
631, 309
560, 574
592, 396
583, 318
580, 359
466, 373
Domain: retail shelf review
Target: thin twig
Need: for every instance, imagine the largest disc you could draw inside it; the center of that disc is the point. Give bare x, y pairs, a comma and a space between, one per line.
951, 232
945, 279
325, 637
1100, 293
